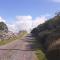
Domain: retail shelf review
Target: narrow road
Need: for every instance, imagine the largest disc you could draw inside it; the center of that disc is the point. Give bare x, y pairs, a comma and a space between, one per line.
18, 50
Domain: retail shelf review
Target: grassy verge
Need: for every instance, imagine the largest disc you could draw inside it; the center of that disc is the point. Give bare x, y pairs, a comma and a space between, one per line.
18, 37
40, 55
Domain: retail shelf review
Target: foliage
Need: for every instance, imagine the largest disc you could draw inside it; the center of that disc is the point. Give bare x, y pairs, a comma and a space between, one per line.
3, 27
47, 32
13, 38
40, 55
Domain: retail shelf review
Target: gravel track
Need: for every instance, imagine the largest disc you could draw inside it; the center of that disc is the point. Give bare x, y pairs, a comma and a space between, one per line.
17, 50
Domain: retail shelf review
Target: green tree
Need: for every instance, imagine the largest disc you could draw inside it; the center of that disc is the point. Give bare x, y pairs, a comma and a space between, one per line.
3, 27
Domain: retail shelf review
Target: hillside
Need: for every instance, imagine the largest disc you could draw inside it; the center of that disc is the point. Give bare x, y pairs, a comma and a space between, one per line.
48, 37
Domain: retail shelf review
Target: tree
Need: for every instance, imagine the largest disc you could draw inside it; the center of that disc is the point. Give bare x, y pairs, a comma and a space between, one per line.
3, 27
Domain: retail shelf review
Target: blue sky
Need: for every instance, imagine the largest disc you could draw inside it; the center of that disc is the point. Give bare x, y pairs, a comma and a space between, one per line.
36, 11
11, 8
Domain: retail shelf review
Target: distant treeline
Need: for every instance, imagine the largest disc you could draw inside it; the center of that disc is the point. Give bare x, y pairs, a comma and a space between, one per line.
48, 37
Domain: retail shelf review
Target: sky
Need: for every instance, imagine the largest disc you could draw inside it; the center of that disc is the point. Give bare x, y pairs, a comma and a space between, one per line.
22, 14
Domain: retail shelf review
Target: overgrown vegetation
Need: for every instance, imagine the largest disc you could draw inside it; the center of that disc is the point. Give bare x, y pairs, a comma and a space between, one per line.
13, 38
40, 55
6, 36
46, 34
3, 27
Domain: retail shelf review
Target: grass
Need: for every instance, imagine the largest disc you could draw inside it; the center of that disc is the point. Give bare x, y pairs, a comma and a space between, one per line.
40, 55
18, 37
38, 51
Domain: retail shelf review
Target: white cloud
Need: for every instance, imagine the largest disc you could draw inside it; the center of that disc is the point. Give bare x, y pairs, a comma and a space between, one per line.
27, 23
24, 23
2, 20
23, 18
12, 27
39, 20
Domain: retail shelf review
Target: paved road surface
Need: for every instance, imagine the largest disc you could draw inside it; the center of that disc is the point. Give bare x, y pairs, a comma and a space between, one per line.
17, 50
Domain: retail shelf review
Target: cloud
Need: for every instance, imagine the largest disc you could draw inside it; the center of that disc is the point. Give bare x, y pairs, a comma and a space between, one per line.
39, 20
2, 20
27, 23
57, 1
12, 27
24, 23
23, 18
